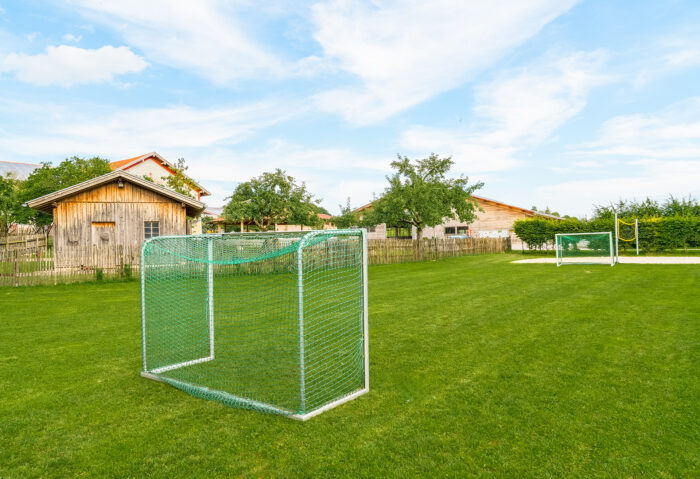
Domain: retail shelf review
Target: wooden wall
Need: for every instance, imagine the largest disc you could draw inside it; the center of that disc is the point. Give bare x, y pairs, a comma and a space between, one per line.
109, 216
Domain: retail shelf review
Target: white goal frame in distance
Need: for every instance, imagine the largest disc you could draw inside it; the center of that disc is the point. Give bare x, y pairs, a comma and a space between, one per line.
560, 260
210, 316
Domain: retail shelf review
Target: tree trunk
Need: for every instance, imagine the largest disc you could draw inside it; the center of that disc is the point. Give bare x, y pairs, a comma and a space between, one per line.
419, 242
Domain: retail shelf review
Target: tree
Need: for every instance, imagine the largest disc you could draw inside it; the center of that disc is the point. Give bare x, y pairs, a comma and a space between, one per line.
270, 199
207, 224
347, 218
9, 204
419, 194
178, 181
547, 211
649, 208
46, 180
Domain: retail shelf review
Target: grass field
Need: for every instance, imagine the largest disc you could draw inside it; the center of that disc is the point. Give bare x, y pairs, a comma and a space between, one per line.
479, 368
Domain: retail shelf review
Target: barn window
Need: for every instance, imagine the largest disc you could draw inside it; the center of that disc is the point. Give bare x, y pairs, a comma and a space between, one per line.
450, 230
151, 229
462, 230
398, 232
371, 229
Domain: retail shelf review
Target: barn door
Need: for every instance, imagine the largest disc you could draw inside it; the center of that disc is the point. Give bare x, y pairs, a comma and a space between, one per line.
103, 233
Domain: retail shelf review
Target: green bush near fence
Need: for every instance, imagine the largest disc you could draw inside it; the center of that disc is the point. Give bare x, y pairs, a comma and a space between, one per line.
655, 234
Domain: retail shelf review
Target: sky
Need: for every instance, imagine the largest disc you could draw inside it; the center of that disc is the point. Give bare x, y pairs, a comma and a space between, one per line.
553, 103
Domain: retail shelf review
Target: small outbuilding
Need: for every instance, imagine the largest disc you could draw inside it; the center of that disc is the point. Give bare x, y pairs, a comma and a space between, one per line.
114, 210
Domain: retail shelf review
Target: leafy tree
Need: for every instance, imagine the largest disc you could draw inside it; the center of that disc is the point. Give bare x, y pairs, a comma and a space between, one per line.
179, 181
321, 210
546, 211
272, 198
680, 207
347, 218
207, 224
649, 208
47, 179
10, 204
420, 194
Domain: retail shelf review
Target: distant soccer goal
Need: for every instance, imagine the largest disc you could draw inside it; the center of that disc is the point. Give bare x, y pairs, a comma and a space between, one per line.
275, 322
585, 248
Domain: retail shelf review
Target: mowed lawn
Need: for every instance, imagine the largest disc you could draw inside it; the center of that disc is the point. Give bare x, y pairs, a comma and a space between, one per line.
479, 368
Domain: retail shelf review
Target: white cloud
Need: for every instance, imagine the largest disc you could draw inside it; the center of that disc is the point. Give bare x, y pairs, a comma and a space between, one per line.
69, 37
668, 55
67, 65
469, 152
515, 112
332, 174
203, 36
655, 179
671, 134
57, 131
634, 156
404, 52
530, 104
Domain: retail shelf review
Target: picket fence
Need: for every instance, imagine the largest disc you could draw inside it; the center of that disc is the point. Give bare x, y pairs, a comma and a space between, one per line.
34, 266
38, 265
22, 242
389, 251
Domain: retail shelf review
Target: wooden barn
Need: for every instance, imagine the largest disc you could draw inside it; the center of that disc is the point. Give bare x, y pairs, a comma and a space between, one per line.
113, 212
494, 220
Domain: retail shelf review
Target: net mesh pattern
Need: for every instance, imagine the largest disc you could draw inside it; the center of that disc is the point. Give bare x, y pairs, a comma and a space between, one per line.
584, 248
233, 318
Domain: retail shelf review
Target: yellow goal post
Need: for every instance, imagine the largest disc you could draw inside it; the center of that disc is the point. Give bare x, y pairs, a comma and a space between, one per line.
619, 238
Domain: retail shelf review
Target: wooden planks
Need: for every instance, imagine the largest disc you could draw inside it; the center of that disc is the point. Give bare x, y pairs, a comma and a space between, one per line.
388, 251
38, 266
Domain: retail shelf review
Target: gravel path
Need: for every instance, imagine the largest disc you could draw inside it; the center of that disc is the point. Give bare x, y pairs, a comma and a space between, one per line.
624, 259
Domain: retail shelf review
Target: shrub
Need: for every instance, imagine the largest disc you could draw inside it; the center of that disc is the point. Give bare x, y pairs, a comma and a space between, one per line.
99, 274
655, 234
126, 270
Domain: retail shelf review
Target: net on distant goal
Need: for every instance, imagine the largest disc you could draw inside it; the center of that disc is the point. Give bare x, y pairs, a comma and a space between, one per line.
275, 322
585, 248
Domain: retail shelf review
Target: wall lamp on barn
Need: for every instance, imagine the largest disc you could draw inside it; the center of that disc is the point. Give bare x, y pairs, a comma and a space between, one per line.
120, 184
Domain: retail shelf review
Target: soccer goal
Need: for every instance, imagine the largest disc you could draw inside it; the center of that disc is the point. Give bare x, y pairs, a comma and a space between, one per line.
585, 248
275, 322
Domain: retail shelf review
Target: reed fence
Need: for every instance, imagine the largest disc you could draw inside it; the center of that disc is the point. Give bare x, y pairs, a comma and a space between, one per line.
388, 251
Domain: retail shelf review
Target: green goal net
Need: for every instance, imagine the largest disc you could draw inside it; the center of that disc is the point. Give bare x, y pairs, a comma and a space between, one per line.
275, 322
585, 248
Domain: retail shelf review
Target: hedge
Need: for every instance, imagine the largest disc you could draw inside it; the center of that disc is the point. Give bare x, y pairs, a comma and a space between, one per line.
655, 234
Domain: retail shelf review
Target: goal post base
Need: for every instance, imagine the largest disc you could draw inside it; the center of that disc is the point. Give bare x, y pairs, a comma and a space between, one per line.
263, 406
338, 402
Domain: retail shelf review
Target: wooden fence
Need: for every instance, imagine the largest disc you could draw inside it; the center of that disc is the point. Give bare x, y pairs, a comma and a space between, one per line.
33, 266
387, 251
22, 242
38, 265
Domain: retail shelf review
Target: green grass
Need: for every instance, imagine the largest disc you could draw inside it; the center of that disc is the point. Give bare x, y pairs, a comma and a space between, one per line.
479, 368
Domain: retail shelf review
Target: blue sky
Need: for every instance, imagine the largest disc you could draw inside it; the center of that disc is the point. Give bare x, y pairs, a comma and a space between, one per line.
552, 103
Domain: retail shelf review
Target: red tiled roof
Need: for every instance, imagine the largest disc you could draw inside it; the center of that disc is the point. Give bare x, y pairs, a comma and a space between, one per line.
115, 165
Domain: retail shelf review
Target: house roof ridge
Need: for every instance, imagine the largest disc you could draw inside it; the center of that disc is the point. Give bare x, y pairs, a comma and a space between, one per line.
41, 202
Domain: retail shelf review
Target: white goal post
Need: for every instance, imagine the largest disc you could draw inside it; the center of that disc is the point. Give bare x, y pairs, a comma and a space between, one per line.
270, 321
584, 248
